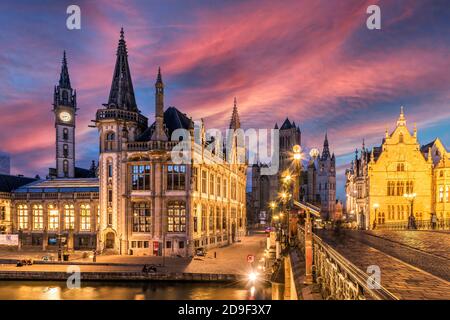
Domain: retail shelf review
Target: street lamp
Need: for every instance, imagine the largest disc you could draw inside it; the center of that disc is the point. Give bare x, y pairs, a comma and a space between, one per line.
308, 226
375, 207
410, 197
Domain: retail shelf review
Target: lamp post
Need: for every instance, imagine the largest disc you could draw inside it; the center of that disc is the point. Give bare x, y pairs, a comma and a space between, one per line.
410, 197
375, 207
297, 150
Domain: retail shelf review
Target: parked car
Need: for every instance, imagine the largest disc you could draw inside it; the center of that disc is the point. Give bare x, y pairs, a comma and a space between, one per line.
201, 252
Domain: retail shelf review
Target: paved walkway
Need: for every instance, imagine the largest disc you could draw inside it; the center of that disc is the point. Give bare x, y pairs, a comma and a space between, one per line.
229, 260
402, 279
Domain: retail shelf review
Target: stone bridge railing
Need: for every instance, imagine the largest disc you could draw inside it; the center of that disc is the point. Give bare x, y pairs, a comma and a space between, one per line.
338, 278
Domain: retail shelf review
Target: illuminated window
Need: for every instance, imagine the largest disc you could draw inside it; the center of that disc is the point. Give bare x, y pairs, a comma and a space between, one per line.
85, 217
203, 218
446, 193
53, 218
176, 216
38, 217
195, 178
176, 177
211, 219
140, 177
69, 217
109, 141
224, 185
224, 218
218, 219
142, 217
218, 187
2, 213
22, 215
211, 184
233, 189
441, 194
204, 179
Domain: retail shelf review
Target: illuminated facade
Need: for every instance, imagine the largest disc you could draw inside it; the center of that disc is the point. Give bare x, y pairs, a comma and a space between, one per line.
378, 182
150, 205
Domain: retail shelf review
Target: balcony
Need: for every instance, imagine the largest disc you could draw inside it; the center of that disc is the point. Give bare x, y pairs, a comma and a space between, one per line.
119, 114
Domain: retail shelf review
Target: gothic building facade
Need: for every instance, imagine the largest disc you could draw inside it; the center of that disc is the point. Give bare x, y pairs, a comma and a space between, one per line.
150, 204
139, 200
318, 179
400, 178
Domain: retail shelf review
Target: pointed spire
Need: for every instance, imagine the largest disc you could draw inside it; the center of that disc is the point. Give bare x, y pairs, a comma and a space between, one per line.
159, 77
276, 125
235, 123
122, 93
64, 79
401, 119
326, 151
159, 133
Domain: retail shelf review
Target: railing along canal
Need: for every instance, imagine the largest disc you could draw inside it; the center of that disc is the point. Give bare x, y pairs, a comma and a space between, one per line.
338, 278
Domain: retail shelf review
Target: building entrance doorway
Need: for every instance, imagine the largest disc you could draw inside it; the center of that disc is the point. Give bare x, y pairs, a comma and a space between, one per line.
109, 243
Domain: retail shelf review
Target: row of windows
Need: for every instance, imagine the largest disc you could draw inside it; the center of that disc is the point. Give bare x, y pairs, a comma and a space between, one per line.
140, 177
176, 216
216, 219
399, 188
217, 186
37, 221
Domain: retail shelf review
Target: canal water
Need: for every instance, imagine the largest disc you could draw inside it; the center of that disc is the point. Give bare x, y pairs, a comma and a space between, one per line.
47, 290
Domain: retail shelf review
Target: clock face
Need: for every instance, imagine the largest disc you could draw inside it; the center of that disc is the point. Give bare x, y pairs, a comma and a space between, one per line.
65, 116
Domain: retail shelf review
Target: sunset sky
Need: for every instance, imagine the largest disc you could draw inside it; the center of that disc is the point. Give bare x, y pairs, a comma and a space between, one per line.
313, 61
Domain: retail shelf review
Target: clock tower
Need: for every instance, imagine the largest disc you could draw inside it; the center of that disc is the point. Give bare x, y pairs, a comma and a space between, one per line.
64, 107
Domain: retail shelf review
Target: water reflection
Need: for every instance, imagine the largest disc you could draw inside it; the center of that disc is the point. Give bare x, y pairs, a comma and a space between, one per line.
20, 290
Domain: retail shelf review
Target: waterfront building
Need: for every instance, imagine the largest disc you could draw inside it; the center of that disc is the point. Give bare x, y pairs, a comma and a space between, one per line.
138, 200
385, 185
149, 204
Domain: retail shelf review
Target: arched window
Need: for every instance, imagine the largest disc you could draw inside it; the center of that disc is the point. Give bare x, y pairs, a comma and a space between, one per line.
85, 217
38, 217
22, 216
66, 134
65, 151
109, 141
66, 167
53, 218
69, 217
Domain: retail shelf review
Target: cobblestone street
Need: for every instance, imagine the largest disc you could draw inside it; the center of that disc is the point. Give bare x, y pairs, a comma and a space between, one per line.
400, 273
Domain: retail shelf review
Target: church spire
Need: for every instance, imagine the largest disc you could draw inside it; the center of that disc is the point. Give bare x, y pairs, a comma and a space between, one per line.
122, 93
64, 79
326, 150
235, 123
63, 94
